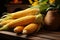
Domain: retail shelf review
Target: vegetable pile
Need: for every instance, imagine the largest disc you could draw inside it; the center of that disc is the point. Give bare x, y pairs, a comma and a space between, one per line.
29, 20
26, 21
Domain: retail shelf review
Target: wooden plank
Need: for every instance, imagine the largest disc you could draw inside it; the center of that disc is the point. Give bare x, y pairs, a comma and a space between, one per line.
36, 36
12, 34
48, 35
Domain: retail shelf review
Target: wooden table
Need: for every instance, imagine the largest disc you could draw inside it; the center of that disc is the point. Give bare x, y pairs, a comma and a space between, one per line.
37, 36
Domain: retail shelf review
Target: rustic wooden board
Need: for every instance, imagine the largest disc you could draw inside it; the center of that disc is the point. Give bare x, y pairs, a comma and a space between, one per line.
36, 36
47, 36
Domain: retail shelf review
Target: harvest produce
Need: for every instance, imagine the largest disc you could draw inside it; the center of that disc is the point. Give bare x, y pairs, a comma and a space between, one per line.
30, 28
31, 19
25, 12
18, 29
23, 21
52, 20
5, 22
15, 15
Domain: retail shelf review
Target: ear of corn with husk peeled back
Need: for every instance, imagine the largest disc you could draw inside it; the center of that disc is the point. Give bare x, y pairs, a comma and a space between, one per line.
30, 28
25, 21
18, 14
22, 21
5, 22
18, 29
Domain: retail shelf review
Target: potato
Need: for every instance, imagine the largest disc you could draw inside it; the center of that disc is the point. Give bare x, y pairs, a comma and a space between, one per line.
52, 19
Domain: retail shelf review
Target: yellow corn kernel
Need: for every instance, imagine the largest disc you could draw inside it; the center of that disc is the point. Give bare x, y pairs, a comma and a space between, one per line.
30, 28
5, 22
18, 29
22, 21
25, 12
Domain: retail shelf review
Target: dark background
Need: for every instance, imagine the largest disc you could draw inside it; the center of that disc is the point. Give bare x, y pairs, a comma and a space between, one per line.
4, 2
2, 6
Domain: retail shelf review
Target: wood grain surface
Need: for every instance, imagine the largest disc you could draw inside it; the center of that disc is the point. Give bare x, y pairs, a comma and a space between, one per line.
36, 36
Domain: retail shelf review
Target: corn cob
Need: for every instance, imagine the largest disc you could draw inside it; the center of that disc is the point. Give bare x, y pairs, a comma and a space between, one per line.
39, 18
5, 17
1, 20
30, 28
18, 14
25, 12
5, 22
22, 21
18, 29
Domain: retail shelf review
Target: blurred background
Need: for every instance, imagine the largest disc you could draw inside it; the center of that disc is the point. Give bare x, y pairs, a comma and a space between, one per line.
7, 5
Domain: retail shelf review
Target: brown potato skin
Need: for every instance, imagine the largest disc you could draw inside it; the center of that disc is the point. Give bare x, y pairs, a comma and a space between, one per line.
52, 20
